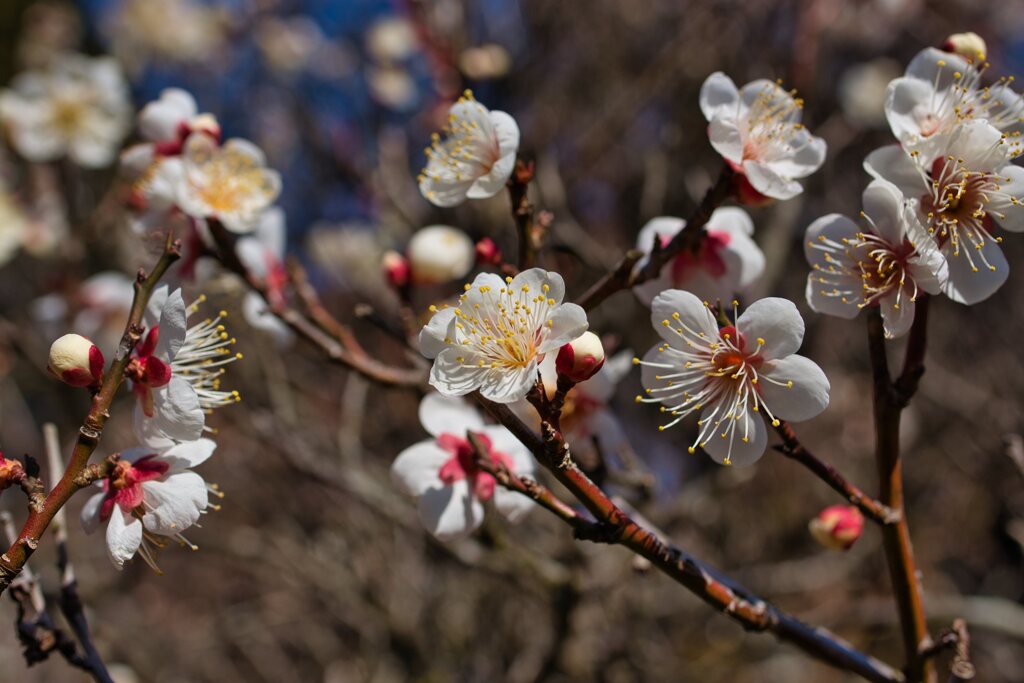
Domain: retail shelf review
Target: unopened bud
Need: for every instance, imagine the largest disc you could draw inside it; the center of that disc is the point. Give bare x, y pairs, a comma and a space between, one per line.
440, 253
205, 123
968, 45
396, 269
76, 361
487, 252
580, 360
11, 472
837, 527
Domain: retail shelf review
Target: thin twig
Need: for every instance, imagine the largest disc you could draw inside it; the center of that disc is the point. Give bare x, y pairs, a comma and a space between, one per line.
793, 449
70, 603
340, 349
689, 239
896, 537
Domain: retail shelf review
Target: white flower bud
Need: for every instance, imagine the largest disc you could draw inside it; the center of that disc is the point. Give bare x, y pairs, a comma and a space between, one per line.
440, 253
968, 45
76, 361
580, 360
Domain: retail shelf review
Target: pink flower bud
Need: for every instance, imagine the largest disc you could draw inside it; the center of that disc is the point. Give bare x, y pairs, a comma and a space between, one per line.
76, 361
11, 472
837, 527
580, 360
487, 252
968, 45
396, 269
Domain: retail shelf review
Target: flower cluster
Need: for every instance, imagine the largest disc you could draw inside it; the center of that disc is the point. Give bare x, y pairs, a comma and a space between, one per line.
950, 188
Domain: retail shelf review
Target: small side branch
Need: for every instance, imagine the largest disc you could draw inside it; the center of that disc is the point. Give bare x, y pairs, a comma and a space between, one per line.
333, 338
690, 239
793, 449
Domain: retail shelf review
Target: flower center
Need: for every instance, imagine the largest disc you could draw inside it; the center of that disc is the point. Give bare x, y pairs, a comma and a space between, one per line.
124, 485
232, 181
463, 463
708, 259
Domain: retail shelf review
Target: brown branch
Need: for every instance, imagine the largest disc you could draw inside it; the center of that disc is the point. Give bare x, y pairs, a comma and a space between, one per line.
896, 537
690, 238
793, 449
531, 232
615, 526
341, 349
12, 561
961, 669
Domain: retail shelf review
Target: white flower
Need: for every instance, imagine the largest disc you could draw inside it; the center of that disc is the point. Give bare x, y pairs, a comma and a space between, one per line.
942, 89
728, 261
731, 375
176, 371
500, 330
475, 158
229, 183
440, 253
150, 494
963, 190
885, 264
443, 471
757, 131
185, 31
262, 253
78, 108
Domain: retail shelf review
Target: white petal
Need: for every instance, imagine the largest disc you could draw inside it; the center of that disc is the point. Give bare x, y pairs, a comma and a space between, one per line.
177, 416
822, 300
495, 180
451, 512
1013, 211
732, 446
895, 165
124, 536
503, 441
726, 139
718, 95
767, 181
883, 203
441, 414
937, 66
568, 322
416, 468
693, 315
189, 454
731, 219
910, 103
507, 132
159, 120
775, 320
454, 377
91, 513
968, 286
896, 321
173, 323
432, 336
441, 192
175, 503
808, 157
508, 386
536, 279
808, 396
663, 227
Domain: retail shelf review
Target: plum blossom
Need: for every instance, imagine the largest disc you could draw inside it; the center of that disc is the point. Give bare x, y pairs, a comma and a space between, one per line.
443, 471
939, 91
150, 494
165, 124
757, 131
963, 189
497, 334
229, 182
728, 262
76, 361
176, 371
78, 108
887, 263
262, 253
475, 158
730, 375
